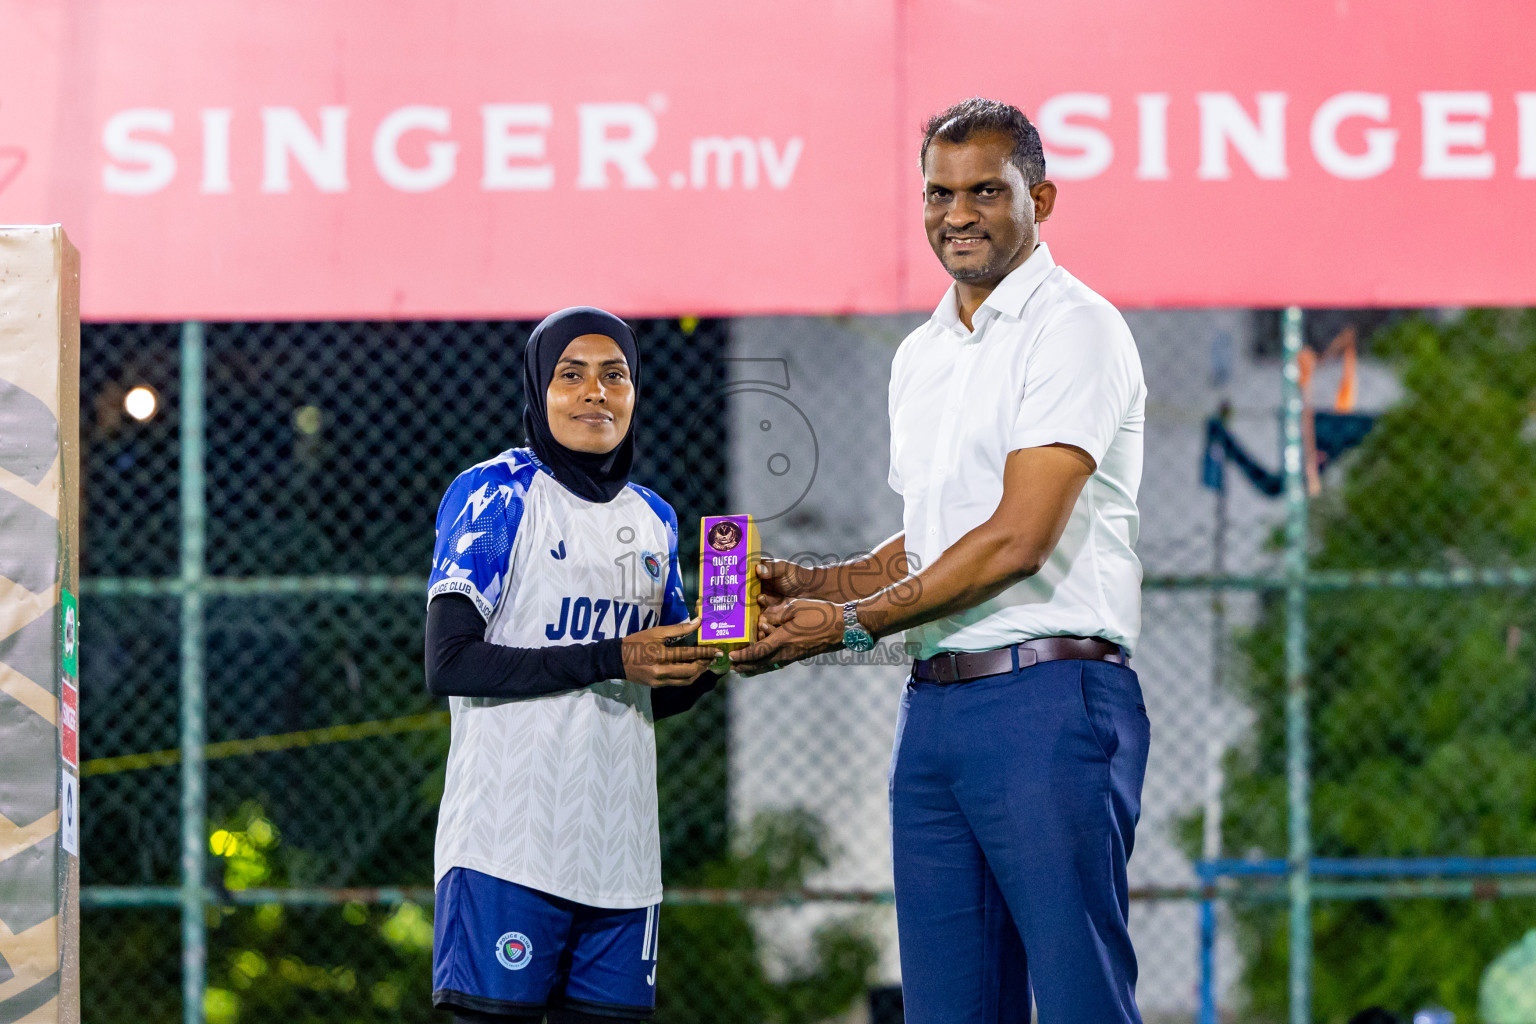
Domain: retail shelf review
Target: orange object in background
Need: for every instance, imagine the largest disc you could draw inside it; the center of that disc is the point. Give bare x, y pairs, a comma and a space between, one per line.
1343, 346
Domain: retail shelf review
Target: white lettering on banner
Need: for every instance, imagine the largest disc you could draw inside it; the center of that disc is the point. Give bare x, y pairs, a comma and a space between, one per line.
441, 156
1223, 122
285, 134
1380, 143
503, 145
1452, 121
780, 169
216, 150
1152, 110
1525, 102
515, 147
617, 141
1094, 150
157, 164
626, 151
723, 150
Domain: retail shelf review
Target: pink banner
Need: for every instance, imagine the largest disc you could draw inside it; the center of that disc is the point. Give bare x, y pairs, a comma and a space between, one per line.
475, 158
1317, 152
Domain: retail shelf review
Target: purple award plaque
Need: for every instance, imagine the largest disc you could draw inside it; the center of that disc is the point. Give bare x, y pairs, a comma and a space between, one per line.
727, 579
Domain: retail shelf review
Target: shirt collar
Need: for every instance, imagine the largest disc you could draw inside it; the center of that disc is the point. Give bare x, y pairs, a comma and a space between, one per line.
1010, 295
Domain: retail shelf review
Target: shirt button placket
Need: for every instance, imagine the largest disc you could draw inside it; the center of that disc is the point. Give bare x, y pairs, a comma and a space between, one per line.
946, 446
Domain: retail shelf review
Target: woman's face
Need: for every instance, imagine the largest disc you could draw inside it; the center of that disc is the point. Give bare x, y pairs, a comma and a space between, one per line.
591, 397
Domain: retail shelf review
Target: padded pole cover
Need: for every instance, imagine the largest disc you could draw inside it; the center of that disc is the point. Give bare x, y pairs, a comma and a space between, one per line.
39, 622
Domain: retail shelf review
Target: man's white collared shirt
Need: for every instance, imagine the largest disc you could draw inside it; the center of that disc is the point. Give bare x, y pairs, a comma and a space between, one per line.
1049, 362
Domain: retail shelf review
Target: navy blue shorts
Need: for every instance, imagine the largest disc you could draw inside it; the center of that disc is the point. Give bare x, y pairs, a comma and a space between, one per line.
500, 947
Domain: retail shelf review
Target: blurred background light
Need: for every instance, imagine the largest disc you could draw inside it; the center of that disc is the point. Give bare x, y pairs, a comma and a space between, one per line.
141, 403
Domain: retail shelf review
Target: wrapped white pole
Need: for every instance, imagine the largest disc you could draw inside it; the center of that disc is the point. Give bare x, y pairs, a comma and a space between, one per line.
39, 627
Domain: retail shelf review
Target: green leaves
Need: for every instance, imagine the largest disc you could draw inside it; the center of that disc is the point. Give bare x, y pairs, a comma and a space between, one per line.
1423, 702
712, 966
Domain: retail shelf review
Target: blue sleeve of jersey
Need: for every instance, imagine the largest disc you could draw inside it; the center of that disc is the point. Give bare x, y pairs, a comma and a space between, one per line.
476, 524
674, 606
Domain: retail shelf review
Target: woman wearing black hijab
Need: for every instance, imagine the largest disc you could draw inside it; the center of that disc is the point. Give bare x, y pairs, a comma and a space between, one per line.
554, 586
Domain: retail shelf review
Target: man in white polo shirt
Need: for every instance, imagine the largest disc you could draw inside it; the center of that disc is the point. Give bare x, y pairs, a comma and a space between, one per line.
1017, 413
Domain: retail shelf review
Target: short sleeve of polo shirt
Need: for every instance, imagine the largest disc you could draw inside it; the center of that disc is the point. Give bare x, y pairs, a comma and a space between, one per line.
476, 524
1080, 381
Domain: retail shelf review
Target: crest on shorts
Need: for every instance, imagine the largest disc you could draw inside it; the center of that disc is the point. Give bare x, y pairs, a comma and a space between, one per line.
652, 563
514, 951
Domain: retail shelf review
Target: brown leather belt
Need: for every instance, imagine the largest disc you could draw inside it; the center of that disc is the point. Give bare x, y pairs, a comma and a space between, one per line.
952, 667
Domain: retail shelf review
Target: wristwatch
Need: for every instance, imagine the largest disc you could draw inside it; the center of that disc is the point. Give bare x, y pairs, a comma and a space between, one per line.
855, 637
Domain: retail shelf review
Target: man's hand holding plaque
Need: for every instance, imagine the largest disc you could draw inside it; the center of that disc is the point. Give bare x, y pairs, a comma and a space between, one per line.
789, 631
780, 580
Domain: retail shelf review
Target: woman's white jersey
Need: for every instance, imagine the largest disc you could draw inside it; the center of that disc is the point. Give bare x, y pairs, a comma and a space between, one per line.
555, 792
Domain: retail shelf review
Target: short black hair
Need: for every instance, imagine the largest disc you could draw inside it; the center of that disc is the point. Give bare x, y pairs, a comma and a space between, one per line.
975, 116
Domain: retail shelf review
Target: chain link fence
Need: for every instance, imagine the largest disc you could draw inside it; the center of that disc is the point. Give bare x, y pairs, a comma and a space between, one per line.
328, 446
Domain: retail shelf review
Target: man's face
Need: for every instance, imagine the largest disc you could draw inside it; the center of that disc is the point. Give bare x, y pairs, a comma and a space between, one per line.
979, 213
591, 397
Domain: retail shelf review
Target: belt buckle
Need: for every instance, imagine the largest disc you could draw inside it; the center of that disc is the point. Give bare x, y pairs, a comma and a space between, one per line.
954, 665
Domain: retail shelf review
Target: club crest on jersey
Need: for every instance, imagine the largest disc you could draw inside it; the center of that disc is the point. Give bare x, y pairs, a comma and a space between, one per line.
652, 563
514, 951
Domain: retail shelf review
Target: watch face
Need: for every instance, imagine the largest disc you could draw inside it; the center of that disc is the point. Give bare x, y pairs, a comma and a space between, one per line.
858, 640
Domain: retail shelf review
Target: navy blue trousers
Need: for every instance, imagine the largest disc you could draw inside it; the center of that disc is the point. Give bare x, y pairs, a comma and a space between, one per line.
1014, 802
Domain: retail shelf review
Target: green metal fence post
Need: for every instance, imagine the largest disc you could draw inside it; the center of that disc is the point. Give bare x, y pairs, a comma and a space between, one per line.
1297, 751
194, 930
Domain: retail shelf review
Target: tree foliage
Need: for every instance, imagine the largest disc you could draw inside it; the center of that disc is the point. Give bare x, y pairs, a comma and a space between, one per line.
1423, 708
